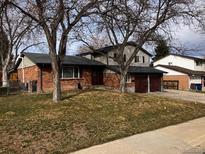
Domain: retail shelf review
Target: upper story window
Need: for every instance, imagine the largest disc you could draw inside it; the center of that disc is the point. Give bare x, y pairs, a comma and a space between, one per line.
70, 73
137, 59
143, 59
115, 55
125, 58
169, 63
198, 63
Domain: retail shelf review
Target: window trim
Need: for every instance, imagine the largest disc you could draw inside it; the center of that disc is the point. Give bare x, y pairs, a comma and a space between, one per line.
137, 59
143, 59
125, 58
73, 68
128, 78
114, 55
198, 63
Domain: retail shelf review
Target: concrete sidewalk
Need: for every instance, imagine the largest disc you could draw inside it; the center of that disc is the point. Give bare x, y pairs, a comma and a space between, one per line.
185, 138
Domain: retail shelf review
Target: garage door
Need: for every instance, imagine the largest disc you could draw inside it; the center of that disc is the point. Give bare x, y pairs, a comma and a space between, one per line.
171, 84
155, 83
141, 84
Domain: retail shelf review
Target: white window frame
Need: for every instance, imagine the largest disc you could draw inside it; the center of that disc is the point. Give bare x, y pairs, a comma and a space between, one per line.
128, 78
73, 67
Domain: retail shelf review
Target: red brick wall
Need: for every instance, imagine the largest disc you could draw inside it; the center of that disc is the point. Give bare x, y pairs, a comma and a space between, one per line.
183, 80
30, 74
66, 84
113, 80
34, 73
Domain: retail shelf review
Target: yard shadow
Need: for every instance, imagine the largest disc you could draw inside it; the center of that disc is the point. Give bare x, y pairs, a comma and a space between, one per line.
75, 93
78, 92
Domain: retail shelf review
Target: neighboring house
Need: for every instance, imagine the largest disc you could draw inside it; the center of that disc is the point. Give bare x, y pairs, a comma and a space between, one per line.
141, 77
183, 72
34, 71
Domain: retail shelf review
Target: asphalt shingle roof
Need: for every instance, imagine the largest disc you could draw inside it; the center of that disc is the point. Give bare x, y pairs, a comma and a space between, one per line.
183, 56
110, 48
137, 70
183, 70
39, 58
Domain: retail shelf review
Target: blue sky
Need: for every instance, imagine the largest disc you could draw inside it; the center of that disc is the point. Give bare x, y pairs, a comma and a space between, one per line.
192, 39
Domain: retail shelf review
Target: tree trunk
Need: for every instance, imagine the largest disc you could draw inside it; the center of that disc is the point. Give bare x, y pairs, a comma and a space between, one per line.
5, 81
56, 78
123, 75
57, 87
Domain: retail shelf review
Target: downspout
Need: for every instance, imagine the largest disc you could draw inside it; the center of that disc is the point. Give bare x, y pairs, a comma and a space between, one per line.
148, 83
41, 80
22, 65
162, 83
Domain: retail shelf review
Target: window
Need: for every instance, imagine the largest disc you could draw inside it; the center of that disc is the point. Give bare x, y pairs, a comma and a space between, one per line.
198, 63
143, 59
70, 72
137, 59
115, 55
124, 58
128, 78
169, 63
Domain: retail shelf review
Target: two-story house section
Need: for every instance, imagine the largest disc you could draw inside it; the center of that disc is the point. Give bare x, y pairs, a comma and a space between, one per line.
141, 77
183, 72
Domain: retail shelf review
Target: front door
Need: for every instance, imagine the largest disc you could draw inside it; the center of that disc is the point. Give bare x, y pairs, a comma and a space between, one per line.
97, 77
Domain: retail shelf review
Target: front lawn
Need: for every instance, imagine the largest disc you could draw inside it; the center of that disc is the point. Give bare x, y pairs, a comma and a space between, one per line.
33, 124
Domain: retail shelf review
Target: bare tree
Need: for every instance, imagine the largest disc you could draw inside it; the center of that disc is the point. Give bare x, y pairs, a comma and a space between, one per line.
92, 42
141, 21
57, 19
14, 27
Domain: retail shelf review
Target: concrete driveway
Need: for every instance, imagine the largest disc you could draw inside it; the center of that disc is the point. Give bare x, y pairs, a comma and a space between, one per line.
185, 138
183, 95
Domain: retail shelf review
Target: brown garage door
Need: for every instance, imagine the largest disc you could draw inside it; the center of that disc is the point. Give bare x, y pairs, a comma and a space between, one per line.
141, 83
155, 83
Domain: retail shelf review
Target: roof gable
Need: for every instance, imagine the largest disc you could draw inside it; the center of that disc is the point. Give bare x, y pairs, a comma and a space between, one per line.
107, 49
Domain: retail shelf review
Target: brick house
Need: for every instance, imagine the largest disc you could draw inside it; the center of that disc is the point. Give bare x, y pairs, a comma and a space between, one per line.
141, 76
183, 72
34, 70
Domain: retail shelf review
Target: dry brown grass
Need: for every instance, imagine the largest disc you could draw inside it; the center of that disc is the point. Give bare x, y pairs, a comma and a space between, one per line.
33, 124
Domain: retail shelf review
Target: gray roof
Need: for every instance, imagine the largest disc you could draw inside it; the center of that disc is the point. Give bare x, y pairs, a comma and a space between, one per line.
40, 58
183, 70
107, 49
137, 70
183, 56
189, 57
